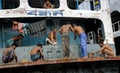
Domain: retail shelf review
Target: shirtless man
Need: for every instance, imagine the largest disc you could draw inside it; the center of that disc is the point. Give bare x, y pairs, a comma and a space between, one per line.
64, 30
9, 54
48, 5
15, 40
37, 53
105, 50
79, 30
52, 37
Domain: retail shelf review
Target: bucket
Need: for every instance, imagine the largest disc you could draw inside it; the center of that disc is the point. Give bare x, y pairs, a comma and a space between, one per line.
90, 55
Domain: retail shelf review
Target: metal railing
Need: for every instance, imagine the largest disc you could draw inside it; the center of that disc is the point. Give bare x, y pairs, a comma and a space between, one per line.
116, 26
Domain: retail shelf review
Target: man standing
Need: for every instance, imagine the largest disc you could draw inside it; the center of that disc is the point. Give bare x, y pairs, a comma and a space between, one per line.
9, 54
64, 30
83, 39
37, 53
52, 37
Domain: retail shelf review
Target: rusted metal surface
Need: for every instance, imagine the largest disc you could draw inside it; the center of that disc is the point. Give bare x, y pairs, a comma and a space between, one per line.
60, 61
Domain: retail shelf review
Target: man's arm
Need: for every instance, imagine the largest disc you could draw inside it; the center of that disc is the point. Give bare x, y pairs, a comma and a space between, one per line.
100, 49
60, 30
16, 59
55, 38
71, 28
19, 42
44, 6
41, 52
52, 38
74, 35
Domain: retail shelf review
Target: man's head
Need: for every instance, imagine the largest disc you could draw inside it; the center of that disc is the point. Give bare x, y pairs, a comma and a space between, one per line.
15, 22
47, 1
54, 29
14, 46
39, 45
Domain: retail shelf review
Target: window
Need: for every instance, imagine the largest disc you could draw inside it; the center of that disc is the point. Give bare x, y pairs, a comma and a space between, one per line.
36, 30
9, 4
48, 4
84, 4
113, 28
116, 27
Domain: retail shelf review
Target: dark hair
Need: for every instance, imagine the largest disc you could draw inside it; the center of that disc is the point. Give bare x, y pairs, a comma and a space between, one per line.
40, 45
20, 35
53, 27
14, 44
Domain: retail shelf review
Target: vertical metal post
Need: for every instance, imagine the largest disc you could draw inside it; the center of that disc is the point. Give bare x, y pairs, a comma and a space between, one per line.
3, 36
0, 4
77, 4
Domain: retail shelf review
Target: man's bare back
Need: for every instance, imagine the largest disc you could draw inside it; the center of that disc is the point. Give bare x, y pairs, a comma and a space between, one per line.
35, 50
106, 49
78, 29
9, 54
66, 28
5, 52
52, 37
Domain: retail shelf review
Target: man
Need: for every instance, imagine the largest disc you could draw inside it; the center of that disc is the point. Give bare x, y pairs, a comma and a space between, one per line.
105, 50
17, 26
48, 5
15, 40
52, 37
83, 39
37, 53
9, 54
64, 30
20, 27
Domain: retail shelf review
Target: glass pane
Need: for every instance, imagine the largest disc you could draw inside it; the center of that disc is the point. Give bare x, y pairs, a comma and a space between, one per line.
9, 4
36, 30
84, 4
116, 27
48, 4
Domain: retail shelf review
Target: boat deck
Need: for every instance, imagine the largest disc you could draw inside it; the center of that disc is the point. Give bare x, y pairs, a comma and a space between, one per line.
60, 61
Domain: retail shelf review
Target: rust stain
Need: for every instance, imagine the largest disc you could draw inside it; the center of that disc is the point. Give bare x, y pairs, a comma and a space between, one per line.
60, 61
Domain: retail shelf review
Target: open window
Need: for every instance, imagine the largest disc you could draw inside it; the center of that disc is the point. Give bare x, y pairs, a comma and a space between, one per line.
84, 4
37, 29
47, 4
9, 4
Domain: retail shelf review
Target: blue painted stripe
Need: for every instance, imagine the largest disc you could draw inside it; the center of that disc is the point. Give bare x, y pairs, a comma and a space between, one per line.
77, 3
0, 4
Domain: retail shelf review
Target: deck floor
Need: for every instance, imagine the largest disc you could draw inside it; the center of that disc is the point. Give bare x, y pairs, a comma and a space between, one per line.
60, 61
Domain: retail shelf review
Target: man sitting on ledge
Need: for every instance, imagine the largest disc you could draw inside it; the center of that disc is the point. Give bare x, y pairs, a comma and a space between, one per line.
37, 53
105, 51
52, 37
9, 54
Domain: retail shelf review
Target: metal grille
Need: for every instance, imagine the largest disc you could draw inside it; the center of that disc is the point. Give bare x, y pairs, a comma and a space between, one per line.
38, 29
